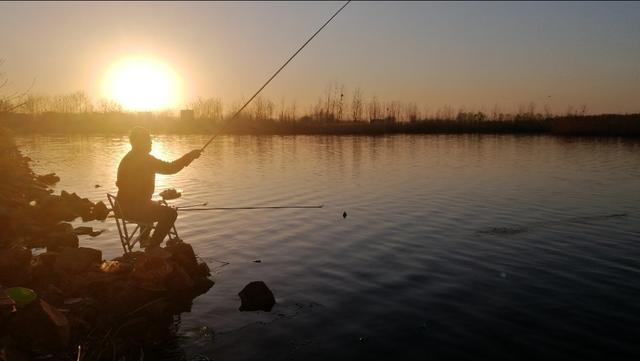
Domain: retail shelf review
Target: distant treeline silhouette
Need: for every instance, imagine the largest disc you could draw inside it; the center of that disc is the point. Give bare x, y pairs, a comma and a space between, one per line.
332, 114
601, 125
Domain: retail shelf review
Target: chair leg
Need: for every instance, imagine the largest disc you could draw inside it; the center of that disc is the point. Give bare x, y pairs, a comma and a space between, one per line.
173, 233
143, 236
122, 231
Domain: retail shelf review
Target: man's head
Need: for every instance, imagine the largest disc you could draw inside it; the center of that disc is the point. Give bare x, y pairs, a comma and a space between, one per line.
140, 140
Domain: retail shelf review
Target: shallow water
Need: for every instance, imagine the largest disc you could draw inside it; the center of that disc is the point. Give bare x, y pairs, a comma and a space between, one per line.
467, 247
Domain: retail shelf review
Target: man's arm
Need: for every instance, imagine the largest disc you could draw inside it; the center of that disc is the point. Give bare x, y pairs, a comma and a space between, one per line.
177, 165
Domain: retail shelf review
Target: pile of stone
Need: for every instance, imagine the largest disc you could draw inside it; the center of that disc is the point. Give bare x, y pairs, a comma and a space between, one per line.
30, 215
79, 294
84, 307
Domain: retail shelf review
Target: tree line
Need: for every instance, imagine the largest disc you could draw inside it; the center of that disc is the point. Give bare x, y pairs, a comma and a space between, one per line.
335, 104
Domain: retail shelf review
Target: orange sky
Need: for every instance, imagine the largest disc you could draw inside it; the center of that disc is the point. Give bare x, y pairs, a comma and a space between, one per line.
473, 55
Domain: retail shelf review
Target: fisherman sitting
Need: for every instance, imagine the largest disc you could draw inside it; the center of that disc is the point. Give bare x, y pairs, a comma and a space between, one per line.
136, 184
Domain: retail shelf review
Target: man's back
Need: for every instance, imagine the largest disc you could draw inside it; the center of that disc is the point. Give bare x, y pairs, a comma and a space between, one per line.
136, 178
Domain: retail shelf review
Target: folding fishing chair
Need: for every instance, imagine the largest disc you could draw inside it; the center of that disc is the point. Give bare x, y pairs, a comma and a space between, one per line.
141, 229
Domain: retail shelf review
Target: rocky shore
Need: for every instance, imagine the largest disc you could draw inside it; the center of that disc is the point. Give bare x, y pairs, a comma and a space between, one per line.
62, 300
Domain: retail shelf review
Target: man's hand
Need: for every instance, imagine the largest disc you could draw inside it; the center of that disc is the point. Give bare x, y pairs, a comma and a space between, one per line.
193, 155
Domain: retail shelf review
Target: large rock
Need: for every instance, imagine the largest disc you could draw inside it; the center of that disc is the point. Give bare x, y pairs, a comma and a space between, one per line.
87, 284
15, 266
40, 325
201, 285
179, 279
81, 206
43, 268
54, 209
182, 253
74, 260
48, 179
11, 353
61, 235
150, 273
86, 231
256, 296
100, 211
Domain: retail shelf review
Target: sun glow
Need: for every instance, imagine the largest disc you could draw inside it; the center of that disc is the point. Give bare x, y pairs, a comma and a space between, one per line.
142, 84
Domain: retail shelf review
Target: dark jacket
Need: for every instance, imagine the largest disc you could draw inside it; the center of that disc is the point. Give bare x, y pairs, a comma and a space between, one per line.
137, 177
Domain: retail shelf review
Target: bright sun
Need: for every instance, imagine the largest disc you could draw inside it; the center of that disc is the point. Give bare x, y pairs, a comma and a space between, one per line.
142, 84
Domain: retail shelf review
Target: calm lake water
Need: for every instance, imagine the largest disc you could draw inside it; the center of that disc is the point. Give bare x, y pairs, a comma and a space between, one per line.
466, 247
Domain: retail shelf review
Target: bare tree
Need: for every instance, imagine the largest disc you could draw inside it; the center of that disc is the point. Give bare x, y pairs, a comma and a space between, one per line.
291, 112
261, 108
531, 109
283, 110
12, 101
37, 104
392, 110
583, 109
340, 103
209, 108
495, 113
373, 108
328, 103
426, 112
318, 110
77, 102
269, 109
287, 113
356, 105
445, 113
109, 106
411, 112
82, 102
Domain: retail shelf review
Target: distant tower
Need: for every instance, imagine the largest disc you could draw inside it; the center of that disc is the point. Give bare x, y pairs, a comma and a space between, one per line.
186, 114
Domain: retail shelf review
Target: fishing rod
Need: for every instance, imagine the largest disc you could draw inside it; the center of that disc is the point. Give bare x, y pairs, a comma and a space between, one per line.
254, 207
193, 205
275, 74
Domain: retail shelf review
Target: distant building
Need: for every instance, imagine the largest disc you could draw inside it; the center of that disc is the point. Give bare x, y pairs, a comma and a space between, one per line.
145, 115
187, 114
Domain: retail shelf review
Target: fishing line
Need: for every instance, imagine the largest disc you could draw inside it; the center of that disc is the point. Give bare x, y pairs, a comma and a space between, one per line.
192, 208
253, 207
275, 74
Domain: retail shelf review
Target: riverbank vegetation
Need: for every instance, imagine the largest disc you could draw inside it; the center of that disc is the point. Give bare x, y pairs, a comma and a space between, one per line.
334, 113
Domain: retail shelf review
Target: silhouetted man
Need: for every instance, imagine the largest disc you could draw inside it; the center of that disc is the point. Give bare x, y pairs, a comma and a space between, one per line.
136, 184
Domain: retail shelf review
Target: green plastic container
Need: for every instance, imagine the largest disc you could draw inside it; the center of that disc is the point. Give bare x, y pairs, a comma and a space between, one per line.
22, 296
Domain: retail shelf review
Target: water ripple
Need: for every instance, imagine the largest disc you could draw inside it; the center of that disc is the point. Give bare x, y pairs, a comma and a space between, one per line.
453, 246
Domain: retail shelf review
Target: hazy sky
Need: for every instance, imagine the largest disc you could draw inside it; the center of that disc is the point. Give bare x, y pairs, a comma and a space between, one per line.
475, 54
